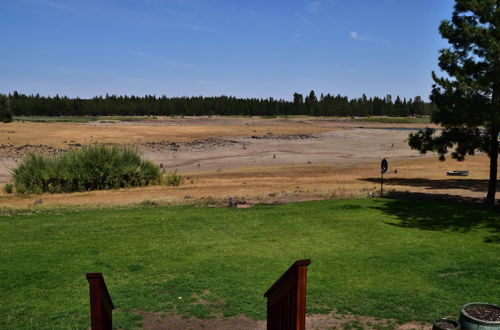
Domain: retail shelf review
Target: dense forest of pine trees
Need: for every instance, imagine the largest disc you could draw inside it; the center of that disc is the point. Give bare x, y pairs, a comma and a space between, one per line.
326, 105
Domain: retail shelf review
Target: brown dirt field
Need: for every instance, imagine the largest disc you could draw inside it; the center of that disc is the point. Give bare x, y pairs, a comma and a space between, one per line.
62, 135
313, 322
254, 159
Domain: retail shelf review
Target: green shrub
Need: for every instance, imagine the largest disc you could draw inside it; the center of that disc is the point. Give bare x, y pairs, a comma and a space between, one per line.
174, 179
8, 188
89, 168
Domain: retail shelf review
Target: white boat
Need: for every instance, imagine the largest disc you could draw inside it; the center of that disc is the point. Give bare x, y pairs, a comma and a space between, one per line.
457, 173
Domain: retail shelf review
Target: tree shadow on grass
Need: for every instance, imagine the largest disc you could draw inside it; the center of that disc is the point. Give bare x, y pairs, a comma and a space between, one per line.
445, 214
467, 184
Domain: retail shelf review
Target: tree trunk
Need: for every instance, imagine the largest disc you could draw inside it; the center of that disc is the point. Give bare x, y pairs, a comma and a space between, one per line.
492, 184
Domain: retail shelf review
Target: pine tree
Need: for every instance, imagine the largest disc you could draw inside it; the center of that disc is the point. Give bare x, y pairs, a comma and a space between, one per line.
311, 103
418, 106
298, 99
468, 100
5, 114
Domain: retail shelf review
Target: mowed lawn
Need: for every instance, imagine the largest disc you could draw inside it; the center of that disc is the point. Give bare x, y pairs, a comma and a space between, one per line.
409, 260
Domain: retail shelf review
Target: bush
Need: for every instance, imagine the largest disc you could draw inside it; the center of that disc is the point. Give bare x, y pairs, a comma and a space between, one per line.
174, 179
8, 188
89, 168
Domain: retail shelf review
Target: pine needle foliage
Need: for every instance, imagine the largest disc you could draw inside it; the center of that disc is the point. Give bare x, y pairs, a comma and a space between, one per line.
5, 114
467, 99
89, 168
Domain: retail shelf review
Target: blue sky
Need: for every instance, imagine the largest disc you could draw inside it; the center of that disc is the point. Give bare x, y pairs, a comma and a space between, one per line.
248, 48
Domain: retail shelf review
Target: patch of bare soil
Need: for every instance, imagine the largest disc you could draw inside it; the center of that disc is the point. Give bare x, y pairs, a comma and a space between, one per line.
350, 321
259, 160
11, 150
159, 321
313, 322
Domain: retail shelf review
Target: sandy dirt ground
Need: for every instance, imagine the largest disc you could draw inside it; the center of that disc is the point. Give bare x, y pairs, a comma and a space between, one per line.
313, 322
252, 159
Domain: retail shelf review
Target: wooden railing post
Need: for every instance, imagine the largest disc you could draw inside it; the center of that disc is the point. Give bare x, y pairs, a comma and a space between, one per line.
286, 299
101, 305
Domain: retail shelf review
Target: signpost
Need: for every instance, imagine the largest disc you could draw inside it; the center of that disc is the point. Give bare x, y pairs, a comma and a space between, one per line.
384, 166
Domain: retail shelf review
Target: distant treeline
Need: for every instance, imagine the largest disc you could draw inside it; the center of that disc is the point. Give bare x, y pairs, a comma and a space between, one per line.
325, 105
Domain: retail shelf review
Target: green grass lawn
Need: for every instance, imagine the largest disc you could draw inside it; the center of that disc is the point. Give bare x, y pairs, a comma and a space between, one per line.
409, 260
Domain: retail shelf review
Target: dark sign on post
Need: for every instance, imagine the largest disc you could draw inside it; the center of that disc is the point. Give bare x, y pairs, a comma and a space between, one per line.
384, 166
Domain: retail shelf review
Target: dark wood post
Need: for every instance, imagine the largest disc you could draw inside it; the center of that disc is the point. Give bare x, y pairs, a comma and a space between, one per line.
101, 305
382, 185
286, 299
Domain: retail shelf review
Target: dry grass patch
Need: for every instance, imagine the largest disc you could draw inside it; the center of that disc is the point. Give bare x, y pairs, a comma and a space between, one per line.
288, 183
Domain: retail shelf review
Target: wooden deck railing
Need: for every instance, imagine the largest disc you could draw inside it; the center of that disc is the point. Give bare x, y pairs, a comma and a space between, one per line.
286, 299
101, 305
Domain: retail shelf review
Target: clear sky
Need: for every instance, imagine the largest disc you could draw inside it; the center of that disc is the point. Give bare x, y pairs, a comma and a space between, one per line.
245, 48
